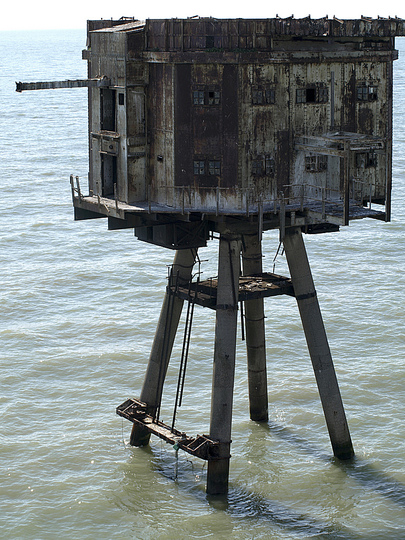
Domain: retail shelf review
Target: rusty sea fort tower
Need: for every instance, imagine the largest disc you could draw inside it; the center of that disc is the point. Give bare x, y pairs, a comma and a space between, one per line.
231, 127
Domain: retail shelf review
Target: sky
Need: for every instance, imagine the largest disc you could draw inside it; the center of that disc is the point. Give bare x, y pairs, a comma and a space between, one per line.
46, 14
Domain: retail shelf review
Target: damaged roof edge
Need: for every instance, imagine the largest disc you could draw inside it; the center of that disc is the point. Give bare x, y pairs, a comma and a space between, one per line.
363, 27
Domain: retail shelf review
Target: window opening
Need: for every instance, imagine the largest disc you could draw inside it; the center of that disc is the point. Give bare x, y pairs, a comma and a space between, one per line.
314, 164
198, 97
301, 95
262, 96
213, 98
372, 93
257, 167
107, 109
214, 168
209, 42
365, 160
263, 166
310, 95
206, 96
108, 174
367, 93
120, 98
323, 94
257, 97
270, 95
269, 166
310, 163
199, 167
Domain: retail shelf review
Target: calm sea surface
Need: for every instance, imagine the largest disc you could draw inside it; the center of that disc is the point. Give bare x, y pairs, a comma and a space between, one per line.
78, 310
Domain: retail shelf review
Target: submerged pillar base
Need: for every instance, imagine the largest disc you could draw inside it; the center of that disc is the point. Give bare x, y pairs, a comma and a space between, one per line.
218, 472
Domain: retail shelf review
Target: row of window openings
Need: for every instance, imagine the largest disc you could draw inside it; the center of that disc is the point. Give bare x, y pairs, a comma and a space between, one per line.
268, 96
213, 97
260, 167
319, 163
266, 166
204, 168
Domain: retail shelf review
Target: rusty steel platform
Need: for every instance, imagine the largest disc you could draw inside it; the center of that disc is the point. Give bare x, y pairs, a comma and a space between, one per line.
200, 446
204, 293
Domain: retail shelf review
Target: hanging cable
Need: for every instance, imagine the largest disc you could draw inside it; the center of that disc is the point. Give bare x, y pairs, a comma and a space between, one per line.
185, 350
188, 341
242, 322
276, 255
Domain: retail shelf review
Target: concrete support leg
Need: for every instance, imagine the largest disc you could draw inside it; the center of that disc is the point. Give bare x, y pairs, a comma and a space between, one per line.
163, 343
224, 362
255, 333
317, 343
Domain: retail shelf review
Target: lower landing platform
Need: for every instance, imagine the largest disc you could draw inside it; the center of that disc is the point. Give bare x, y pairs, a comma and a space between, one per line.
204, 293
200, 446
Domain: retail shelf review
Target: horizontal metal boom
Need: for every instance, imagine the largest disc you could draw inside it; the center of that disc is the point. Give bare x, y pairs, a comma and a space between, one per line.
77, 83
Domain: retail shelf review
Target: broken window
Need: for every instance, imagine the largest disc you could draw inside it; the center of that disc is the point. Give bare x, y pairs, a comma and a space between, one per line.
367, 93
263, 166
263, 96
199, 167
207, 96
257, 97
365, 160
213, 97
372, 93
207, 167
323, 94
310, 164
316, 164
312, 95
269, 165
209, 42
257, 167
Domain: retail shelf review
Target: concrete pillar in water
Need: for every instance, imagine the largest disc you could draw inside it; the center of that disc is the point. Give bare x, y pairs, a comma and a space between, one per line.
163, 343
317, 342
224, 361
255, 333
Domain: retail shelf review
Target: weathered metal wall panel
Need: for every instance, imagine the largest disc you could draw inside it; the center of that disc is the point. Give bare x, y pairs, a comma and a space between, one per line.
161, 133
260, 124
183, 141
136, 143
108, 158
230, 126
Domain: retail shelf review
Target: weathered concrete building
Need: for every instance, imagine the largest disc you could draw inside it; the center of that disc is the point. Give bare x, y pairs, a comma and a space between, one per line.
236, 127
